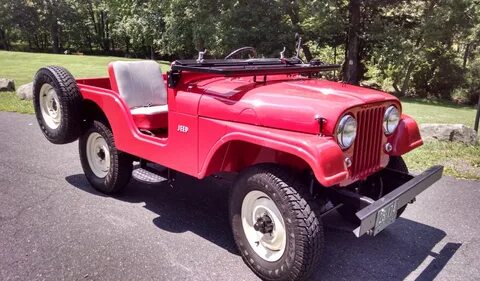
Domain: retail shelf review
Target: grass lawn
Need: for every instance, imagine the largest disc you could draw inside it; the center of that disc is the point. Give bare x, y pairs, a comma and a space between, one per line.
439, 112
459, 160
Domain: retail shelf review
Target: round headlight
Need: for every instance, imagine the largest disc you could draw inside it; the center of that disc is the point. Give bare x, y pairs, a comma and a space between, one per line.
346, 131
390, 120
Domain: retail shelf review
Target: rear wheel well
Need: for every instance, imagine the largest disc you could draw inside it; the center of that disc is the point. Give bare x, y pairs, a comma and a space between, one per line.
235, 156
91, 112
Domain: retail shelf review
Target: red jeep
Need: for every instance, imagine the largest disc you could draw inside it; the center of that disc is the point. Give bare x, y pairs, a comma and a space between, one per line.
301, 146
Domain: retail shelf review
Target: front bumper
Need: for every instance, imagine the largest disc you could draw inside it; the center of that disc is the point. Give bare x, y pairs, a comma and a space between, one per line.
409, 187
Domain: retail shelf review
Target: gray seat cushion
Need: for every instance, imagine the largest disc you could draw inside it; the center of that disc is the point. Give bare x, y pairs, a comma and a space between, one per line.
140, 83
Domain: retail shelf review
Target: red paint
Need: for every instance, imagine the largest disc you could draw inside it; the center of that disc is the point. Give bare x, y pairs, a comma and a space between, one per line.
406, 137
151, 122
235, 122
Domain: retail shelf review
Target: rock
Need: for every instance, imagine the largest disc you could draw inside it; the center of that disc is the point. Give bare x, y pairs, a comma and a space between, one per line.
371, 84
6, 85
449, 132
25, 92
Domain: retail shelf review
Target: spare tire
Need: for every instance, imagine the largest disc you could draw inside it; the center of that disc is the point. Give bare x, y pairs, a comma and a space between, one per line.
58, 104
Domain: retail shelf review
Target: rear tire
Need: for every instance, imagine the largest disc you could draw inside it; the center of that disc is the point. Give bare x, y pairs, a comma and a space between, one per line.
290, 232
107, 169
58, 104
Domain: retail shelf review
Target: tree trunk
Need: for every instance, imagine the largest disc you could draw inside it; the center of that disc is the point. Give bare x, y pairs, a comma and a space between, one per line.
477, 117
104, 32
3, 40
127, 45
406, 80
54, 33
307, 53
353, 64
107, 33
293, 12
97, 39
45, 42
55, 38
92, 17
53, 11
466, 55
418, 45
152, 53
88, 41
335, 61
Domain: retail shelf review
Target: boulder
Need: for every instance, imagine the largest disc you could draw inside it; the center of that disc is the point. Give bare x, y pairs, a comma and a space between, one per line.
6, 85
25, 92
449, 132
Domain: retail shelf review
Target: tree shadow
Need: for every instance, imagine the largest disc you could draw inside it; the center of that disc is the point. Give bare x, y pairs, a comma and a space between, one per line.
201, 207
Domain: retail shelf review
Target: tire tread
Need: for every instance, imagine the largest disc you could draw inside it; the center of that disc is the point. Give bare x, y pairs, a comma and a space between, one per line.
309, 234
121, 163
70, 99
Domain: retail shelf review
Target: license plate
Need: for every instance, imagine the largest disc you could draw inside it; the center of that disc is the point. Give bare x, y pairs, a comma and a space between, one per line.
385, 216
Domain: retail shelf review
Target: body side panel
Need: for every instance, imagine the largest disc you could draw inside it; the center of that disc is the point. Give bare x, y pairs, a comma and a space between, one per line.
179, 151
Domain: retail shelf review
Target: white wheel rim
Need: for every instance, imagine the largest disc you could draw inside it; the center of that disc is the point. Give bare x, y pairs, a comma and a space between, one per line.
98, 155
50, 106
269, 246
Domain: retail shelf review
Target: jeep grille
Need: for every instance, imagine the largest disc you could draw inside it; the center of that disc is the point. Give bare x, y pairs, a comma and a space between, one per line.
368, 144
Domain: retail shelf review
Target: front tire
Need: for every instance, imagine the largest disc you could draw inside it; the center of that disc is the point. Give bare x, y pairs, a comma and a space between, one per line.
107, 169
275, 223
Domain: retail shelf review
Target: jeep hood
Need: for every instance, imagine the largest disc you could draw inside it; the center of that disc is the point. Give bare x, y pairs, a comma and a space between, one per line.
292, 104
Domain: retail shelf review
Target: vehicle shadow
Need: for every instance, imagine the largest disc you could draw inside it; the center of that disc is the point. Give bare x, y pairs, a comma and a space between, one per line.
201, 207
404, 247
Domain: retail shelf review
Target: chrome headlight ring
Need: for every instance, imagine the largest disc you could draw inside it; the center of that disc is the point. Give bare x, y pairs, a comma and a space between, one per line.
391, 120
346, 131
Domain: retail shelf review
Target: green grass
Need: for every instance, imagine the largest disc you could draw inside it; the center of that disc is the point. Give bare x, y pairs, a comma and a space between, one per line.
460, 160
439, 112
21, 67
10, 102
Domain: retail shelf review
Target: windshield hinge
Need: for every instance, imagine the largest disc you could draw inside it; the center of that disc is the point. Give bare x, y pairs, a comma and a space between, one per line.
173, 78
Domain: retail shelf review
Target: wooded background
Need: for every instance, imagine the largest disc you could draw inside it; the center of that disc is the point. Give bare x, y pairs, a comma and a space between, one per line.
426, 49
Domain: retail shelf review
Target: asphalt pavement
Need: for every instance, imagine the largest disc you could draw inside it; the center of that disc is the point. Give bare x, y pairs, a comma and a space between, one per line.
54, 226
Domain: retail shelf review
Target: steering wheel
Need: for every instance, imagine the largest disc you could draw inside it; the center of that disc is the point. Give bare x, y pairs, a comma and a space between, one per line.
242, 50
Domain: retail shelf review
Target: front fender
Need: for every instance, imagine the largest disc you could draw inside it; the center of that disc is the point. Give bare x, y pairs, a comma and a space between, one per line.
322, 154
406, 137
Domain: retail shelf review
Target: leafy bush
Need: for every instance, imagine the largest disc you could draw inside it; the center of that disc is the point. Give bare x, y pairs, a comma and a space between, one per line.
438, 76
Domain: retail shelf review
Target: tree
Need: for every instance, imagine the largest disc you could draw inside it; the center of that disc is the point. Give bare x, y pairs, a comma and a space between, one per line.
140, 24
352, 74
427, 48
